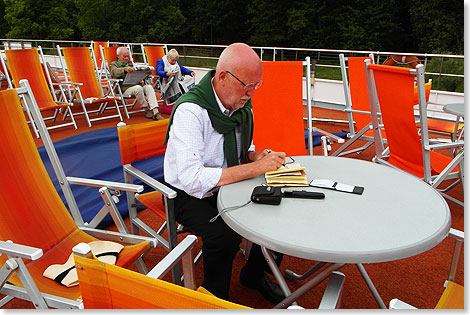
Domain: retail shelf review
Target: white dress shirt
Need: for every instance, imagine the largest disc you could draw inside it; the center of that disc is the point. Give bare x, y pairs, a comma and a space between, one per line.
194, 156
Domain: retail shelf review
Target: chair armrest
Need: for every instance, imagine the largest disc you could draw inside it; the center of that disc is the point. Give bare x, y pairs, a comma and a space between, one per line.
119, 237
454, 144
17, 250
396, 304
456, 234
183, 251
105, 183
82, 249
152, 182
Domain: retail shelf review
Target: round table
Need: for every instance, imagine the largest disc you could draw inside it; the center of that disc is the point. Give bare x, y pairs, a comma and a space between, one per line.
397, 216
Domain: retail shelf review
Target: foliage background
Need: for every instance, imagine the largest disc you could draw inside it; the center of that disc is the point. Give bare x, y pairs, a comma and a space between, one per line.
433, 26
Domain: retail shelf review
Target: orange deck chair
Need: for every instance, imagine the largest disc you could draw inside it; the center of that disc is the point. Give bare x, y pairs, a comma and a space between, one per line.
95, 45
88, 90
138, 142
109, 54
408, 151
151, 55
34, 215
25, 64
105, 286
437, 125
278, 110
357, 105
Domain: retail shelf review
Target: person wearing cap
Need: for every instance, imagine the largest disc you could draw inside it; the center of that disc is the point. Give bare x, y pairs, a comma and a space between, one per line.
119, 69
210, 144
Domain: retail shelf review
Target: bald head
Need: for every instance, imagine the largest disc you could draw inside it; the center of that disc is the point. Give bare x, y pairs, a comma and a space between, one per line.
237, 75
239, 56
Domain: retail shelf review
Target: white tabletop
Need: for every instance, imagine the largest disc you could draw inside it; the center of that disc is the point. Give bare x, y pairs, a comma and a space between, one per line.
397, 216
457, 109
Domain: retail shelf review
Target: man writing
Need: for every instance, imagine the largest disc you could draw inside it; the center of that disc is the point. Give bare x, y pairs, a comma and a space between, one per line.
119, 69
209, 145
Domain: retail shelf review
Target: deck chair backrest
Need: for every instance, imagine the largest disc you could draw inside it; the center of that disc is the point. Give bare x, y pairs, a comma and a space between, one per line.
358, 90
427, 87
105, 286
82, 70
278, 108
110, 54
25, 64
29, 201
395, 89
141, 141
153, 53
96, 50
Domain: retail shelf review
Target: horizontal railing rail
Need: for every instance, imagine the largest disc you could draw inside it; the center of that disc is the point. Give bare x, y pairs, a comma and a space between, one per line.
446, 70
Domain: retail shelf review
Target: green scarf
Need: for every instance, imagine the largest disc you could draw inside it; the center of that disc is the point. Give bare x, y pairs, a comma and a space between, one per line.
203, 95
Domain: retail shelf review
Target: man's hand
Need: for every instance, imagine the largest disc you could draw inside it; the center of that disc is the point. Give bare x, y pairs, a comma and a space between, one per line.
170, 74
268, 160
128, 69
192, 73
263, 161
257, 155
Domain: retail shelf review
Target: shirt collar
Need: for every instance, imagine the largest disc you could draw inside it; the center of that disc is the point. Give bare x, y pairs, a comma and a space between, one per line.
225, 111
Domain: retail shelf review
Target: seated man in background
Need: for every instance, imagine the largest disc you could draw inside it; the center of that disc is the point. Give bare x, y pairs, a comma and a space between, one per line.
119, 69
171, 75
209, 145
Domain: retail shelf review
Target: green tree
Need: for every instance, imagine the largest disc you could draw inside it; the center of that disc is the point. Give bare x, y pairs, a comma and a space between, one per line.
268, 23
216, 21
40, 19
4, 27
438, 25
102, 20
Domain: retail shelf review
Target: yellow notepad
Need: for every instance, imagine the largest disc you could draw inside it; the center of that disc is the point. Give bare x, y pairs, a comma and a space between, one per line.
289, 175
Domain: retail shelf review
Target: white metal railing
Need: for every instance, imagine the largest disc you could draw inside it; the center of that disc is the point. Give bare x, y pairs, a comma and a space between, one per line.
207, 55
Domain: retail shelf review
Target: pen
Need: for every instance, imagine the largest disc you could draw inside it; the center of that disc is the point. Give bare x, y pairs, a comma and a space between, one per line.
269, 151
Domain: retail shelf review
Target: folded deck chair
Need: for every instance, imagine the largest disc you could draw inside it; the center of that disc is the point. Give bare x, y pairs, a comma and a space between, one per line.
25, 64
392, 88
105, 286
453, 297
33, 215
88, 91
357, 105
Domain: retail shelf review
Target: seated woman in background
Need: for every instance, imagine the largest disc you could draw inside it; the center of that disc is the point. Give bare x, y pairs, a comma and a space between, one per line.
171, 75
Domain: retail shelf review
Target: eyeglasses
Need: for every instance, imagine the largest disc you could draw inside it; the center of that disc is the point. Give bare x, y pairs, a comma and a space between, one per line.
247, 86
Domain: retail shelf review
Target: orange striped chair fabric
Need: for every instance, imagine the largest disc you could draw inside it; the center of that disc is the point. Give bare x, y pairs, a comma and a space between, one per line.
25, 64
32, 212
153, 53
81, 70
105, 286
278, 109
395, 87
110, 54
141, 141
96, 50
